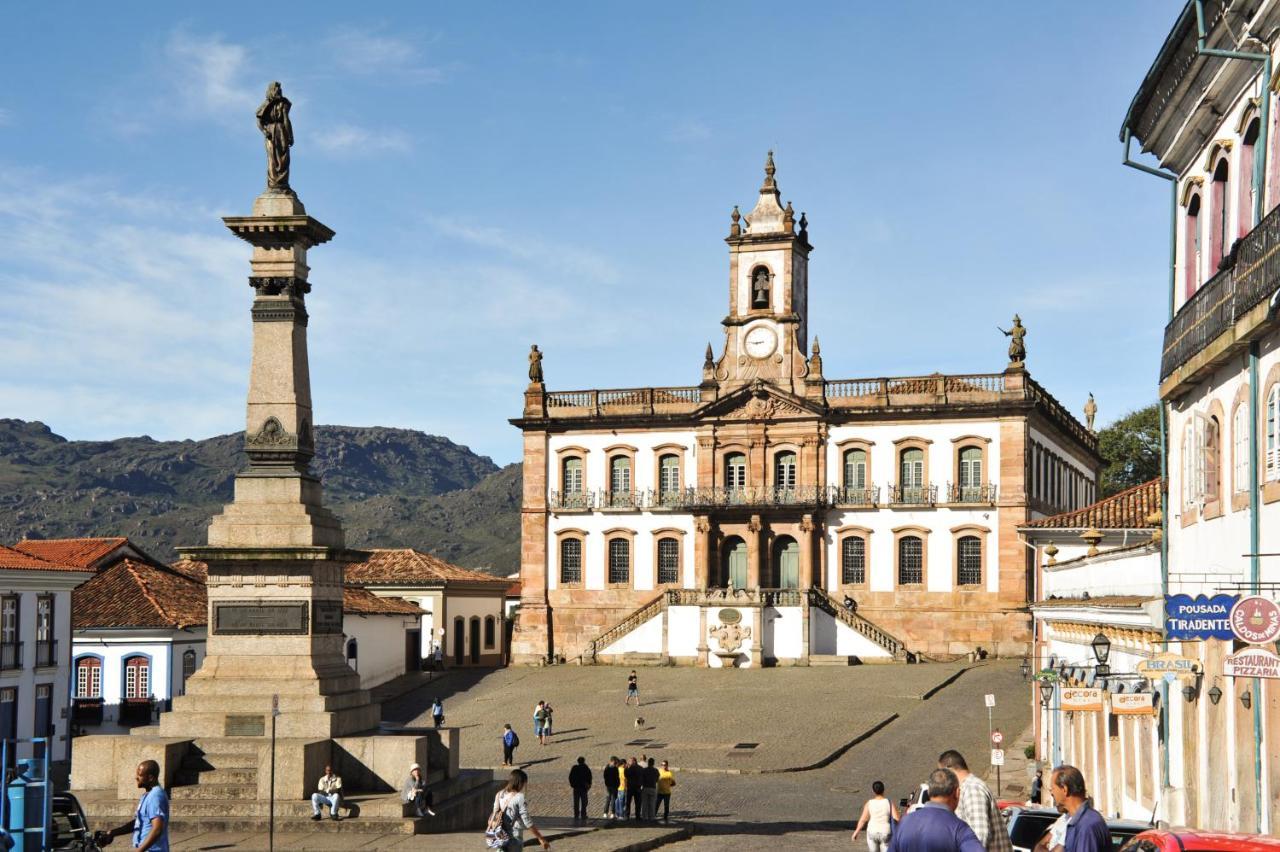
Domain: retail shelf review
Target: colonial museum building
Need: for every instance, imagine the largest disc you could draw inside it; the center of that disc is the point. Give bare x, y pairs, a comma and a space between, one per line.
769, 515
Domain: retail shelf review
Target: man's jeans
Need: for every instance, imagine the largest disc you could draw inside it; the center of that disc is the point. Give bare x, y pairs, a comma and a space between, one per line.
648, 801
664, 799
610, 801
579, 804
320, 799
620, 804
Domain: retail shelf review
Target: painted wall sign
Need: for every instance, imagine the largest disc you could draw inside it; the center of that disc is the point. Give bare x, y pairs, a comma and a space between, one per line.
1132, 704
1169, 665
1081, 698
1199, 617
1252, 662
1256, 620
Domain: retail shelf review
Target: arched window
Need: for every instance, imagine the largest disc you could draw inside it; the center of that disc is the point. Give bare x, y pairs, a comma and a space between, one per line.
490, 631
784, 475
969, 561
668, 560
137, 677
353, 655
1272, 414
571, 475
855, 470
188, 666
668, 477
619, 561
970, 474
1240, 448
1191, 248
910, 560
735, 472
1247, 192
761, 284
619, 479
853, 560
1212, 455
88, 677
1220, 211
570, 561
911, 475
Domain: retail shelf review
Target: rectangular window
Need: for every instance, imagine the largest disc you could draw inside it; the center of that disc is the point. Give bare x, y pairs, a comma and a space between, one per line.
89, 678
853, 561
668, 561
10, 647
910, 561
619, 561
570, 560
969, 561
44, 710
137, 678
668, 476
1240, 449
45, 644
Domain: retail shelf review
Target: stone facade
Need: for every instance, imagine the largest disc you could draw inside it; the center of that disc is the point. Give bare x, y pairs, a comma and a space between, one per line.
756, 477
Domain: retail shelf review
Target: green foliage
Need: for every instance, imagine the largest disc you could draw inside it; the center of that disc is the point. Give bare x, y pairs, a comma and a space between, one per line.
1030, 752
1130, 448
390, 487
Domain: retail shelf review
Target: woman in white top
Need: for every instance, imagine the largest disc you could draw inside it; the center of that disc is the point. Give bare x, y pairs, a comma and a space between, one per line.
875, 818
515, 812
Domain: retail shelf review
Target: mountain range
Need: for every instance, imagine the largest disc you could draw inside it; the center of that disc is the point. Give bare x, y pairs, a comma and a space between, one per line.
390, 487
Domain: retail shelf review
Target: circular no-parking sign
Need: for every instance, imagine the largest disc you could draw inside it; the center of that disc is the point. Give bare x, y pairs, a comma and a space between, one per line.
996, 738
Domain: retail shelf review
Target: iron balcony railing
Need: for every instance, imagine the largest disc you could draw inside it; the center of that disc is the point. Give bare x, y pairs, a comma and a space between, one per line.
10, 656
1250, 276
971, 493
844, 495
46, 652
913, 495
571, 501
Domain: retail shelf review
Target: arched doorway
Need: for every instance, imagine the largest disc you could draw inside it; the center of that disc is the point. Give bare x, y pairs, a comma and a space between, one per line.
475, 640
459, 641
733, 571
785, 571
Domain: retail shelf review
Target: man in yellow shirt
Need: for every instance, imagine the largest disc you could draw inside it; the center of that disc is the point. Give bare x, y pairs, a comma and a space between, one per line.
666, 780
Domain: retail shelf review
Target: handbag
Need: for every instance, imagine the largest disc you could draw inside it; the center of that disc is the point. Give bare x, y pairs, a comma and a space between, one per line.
495, 835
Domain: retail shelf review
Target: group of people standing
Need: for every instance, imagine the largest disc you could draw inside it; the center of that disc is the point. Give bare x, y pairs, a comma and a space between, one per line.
633, 788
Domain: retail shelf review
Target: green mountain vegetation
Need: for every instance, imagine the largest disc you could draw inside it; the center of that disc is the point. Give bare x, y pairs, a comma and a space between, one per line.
390, 487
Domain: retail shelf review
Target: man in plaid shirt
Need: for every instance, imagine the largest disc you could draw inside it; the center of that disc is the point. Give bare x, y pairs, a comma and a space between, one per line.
977, 806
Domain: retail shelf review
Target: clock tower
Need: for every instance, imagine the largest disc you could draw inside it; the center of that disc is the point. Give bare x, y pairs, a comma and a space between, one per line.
766, 331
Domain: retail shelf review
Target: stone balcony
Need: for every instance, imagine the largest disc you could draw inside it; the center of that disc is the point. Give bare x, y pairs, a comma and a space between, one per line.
703, 500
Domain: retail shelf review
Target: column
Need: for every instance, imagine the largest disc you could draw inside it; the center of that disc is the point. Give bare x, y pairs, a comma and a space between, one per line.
702, 636
755, 540
703, 552
810, 577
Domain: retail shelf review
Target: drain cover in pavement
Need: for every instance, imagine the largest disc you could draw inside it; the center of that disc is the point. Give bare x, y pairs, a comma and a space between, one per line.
746, 745
639, 742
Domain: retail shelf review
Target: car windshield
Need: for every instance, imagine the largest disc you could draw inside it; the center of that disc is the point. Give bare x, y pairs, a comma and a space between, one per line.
1029, 827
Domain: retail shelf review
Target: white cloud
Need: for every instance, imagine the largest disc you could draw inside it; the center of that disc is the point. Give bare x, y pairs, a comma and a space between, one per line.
351, 139
362, 51
210, 73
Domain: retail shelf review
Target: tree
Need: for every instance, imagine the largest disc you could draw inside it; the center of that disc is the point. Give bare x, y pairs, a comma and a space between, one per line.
1130, 449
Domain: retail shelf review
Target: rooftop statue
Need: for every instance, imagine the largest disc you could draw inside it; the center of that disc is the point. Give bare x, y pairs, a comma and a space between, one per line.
1017, 345
273, 121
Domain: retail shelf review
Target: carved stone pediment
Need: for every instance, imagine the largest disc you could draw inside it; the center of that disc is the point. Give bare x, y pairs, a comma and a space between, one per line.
759, 402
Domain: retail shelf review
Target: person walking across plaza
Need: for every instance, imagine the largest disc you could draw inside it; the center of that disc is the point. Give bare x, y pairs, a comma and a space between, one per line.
540, 721
150, 823
546, 722
634, 777
437, 712
878, 816
977, 806
934, 827
414, 792
512, 811
633, 689
328, 792
666, 781
649, 791
509, 742
1086, 829
611, 783
580, 782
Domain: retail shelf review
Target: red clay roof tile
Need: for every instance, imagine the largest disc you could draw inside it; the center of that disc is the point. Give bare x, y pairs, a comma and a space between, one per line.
1128, 510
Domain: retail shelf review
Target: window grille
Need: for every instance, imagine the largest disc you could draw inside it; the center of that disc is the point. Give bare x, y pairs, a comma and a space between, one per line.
910, 561
853, 560
570, 560
668, 561
619, 560
969, 561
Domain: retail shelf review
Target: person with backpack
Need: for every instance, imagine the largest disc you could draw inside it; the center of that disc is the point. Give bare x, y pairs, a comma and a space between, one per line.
580, 782
510, 817
509, 742
437, 712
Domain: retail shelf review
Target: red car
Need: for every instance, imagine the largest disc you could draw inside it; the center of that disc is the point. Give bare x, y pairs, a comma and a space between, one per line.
1194, 840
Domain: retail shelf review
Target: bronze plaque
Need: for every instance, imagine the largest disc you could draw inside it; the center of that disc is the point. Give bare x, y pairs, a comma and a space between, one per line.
248, 618
328, 617
246, 726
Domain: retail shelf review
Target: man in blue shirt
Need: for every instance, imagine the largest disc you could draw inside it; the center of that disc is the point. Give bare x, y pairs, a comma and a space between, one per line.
1086, 829
934, 827
150, 825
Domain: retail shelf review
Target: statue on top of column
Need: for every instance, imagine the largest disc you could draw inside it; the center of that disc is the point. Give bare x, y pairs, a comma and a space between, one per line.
535, 365
273, 121
1090, 411
1017, 345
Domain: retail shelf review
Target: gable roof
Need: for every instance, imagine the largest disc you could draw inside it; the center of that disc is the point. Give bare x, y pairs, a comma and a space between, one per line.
1127, 510
16, 560
406, 566
84, 553
137, 594
358, 601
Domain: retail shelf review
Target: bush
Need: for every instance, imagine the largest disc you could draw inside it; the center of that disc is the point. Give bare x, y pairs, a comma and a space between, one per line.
1030, 752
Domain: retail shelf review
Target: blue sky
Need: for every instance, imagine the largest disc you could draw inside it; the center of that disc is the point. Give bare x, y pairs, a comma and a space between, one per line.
500, 175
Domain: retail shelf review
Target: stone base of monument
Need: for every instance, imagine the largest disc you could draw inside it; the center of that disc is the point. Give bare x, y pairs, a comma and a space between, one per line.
223, 783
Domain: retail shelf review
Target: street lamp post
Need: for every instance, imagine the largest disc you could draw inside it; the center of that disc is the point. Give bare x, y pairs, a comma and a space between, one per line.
1101, 652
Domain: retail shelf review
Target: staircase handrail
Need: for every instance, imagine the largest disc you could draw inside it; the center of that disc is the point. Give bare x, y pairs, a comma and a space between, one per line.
820, 599
645, 612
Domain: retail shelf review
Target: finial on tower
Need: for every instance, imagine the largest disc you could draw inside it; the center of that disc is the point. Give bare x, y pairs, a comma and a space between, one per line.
815, 360
804, 227
708, 367
735, 229
769, 169
789, 219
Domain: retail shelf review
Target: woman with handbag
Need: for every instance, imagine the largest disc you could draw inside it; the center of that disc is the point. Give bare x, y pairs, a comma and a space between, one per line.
510, 817
878, 817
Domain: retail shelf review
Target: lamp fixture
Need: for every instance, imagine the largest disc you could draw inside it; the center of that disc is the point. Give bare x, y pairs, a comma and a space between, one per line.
1102, 670
1189, 692
1046, 692
1247, 699
1215, 695
1025, 668
1101, 648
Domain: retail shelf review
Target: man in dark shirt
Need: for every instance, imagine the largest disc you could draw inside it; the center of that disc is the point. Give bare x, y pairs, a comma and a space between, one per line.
580, 781
934, 827
649, 791
611, 784
635, 780
1086, 829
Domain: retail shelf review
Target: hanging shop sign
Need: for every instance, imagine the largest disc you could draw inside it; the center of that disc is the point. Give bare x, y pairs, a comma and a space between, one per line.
1169, 665
1132, 704
1256, 620
1081, 698
1199, 617
1252, 662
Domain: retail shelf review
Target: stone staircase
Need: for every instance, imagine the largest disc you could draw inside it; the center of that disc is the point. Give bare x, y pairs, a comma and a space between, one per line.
819, 599
216, 789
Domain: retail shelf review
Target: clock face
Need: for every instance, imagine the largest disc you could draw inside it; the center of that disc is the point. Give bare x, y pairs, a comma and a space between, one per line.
760, 342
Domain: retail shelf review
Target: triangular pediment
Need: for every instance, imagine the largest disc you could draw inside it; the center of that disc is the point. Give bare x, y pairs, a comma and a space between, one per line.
758, 401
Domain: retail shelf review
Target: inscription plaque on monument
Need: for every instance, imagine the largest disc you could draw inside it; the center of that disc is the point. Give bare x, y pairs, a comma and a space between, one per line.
327, 617
258, 618
246, 726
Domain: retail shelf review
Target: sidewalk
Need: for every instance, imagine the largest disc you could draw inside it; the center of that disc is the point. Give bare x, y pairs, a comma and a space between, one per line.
1018, 769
